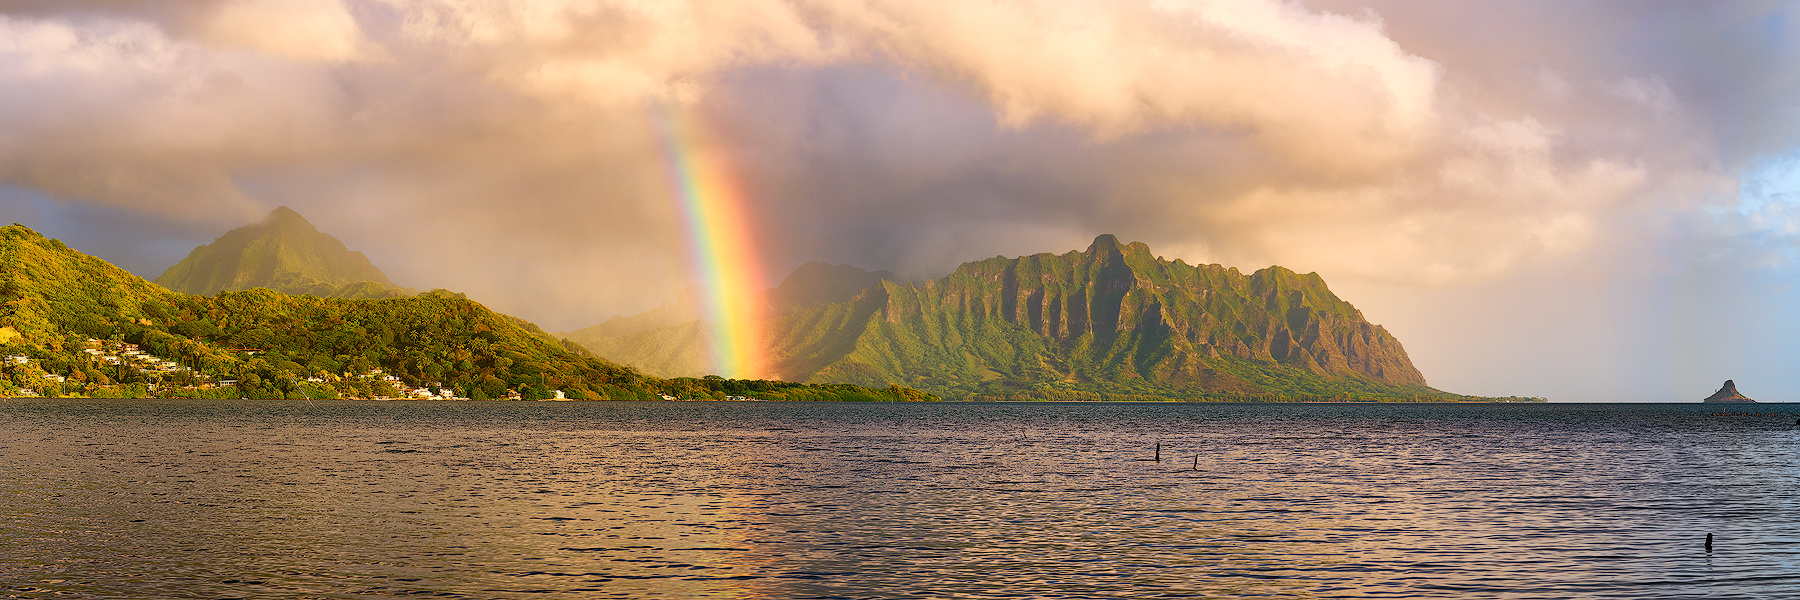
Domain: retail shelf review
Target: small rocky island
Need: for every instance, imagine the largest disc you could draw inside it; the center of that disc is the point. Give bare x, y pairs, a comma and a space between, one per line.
1728, 393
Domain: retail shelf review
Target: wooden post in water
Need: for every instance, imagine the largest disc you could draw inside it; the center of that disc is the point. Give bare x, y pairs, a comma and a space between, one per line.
1709, 542
1159, 452
1196, 462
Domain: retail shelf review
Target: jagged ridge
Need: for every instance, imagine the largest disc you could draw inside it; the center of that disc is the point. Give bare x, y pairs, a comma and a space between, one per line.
1113, 317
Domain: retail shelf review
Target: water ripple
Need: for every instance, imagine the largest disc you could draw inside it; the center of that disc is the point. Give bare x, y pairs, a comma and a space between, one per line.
110, 499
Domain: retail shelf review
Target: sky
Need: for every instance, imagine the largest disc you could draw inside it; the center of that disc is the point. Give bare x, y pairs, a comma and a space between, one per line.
1584, 200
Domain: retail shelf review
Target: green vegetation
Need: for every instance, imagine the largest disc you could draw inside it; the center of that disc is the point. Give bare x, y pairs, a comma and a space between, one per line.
718, 388
1062, 395
284, 253
1113, 322
74, 325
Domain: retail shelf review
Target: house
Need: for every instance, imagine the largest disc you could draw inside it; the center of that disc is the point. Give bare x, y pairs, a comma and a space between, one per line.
17, 359
560, 396
54, 377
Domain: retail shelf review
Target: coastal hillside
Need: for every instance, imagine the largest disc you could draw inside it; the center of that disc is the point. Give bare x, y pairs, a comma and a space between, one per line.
75, 325
285, 253
1110, 322
671, 340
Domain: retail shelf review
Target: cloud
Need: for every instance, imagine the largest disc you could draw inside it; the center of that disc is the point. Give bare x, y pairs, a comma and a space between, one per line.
502, 148
502, 120
608, 53
1327, 91
307, 30
109, 115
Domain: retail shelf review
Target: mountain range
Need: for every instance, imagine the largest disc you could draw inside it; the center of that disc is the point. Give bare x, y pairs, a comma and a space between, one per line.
1110, 322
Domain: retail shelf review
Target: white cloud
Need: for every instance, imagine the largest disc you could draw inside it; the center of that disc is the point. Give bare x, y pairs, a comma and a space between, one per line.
307, 30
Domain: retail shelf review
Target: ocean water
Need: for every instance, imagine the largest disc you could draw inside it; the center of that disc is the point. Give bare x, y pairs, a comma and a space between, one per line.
296, 499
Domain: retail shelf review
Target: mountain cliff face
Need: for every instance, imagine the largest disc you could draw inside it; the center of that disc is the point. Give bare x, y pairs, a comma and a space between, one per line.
284, 253
1113, 320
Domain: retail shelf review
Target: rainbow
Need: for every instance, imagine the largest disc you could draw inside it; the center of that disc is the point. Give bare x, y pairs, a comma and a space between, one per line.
722, 251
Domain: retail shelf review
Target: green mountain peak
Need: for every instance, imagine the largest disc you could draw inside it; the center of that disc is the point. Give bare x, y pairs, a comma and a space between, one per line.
283, 252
